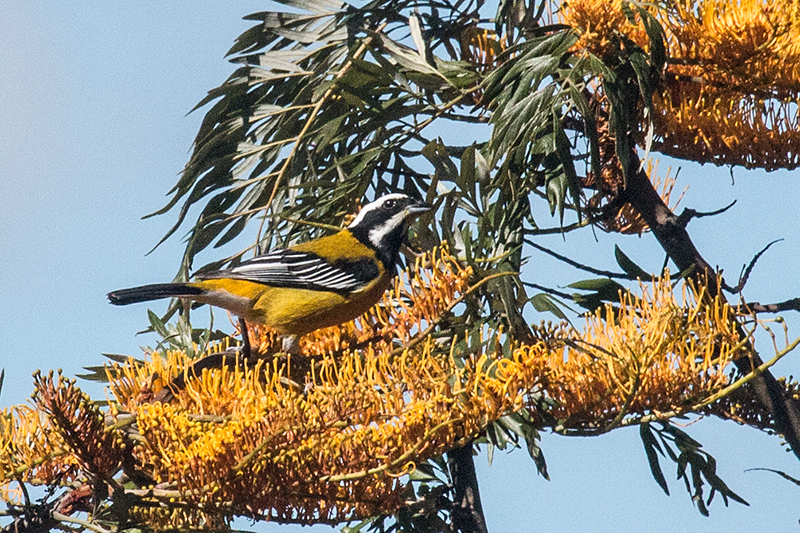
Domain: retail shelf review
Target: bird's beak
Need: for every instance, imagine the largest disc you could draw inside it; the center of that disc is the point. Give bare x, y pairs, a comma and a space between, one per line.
418, 208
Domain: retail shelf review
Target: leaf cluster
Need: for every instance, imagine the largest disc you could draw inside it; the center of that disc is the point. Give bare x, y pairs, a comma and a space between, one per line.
693, 464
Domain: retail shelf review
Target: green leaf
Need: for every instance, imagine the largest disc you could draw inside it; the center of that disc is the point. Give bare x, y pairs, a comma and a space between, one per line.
121, 358
631, 269
467, 175
543, 303
410, 59
710, 473
556, 193
682, 439
423, 472
315, 6
95, 373
564, 151
532, 437
590, 301
651, 448
482, 168
416, 35
157, 324
606, 288
436, 152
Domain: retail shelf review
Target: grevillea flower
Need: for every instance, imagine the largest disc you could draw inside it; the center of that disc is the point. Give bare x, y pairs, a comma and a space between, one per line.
375, 398
732, 87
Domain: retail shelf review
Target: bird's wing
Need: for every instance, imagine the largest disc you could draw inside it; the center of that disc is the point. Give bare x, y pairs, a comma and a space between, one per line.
303, 270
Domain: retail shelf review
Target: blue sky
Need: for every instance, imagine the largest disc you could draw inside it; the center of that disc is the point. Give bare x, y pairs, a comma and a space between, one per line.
93, 103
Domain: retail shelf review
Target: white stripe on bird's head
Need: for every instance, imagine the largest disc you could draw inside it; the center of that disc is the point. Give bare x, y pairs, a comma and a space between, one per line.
379, 234
378, 204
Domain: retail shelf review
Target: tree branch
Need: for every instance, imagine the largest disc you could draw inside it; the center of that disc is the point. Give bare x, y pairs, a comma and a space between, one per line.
788, 305
689, 214
747, 270
467, 514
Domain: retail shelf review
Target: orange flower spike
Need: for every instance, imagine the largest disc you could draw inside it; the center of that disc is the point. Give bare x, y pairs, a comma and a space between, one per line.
371, 410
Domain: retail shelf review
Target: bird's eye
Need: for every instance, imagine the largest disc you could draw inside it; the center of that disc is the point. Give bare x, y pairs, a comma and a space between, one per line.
389, 204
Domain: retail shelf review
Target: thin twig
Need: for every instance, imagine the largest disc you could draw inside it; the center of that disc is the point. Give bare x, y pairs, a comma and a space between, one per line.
577, 265
689, 214
561, 229
788, 305
548, 290
748, 269
77, 521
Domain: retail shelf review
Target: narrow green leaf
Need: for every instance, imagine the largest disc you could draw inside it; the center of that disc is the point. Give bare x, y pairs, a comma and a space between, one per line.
482, 168
590, 301
682, 439
409, 59
683, 462
467, 175
423, 473
157, 324
630, 268
717, 484
95, 373
605, 287
324, 7
436, 152
564, 151
650, 449
416, 35
556, 193
544, 303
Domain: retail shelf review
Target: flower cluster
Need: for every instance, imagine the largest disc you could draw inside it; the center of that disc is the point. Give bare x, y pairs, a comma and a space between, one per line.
648, 355
725, 126
62, 438
732, 88
335, 442
601, 23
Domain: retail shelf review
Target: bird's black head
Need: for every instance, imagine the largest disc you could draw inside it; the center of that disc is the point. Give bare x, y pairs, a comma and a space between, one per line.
382, 224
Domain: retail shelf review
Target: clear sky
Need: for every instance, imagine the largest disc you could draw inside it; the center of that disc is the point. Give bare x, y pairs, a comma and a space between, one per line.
93, 133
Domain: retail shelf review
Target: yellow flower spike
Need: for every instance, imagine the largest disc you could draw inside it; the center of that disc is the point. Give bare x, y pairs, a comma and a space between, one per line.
733, 87
365, 416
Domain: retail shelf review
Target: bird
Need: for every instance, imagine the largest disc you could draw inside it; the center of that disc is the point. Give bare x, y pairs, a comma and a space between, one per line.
315, 284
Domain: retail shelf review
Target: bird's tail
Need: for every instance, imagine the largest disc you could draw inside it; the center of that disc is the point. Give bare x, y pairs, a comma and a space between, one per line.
153, 292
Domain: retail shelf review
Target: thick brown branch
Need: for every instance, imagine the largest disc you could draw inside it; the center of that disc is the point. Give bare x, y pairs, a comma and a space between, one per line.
467, 514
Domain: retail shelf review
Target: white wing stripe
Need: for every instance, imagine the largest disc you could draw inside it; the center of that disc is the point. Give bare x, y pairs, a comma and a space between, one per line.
296, 269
